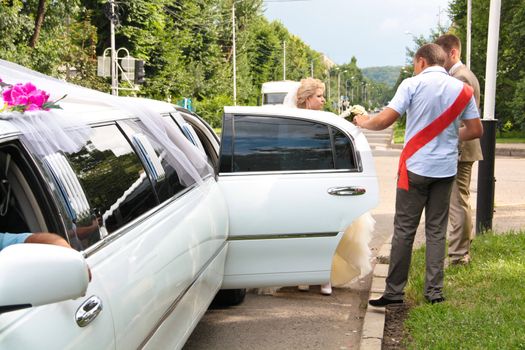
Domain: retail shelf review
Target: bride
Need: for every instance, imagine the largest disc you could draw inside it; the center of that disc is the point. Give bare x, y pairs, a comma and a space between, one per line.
352, 256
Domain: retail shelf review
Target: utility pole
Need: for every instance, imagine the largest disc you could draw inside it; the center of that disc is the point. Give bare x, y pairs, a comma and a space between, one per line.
469, 31
284, 60
234, 57
312, 68
114, 71
338, 92
329, 82
486, 180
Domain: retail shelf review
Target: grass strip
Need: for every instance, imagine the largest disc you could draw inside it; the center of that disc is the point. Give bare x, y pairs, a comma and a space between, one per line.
509, 137
399, 133
485, 301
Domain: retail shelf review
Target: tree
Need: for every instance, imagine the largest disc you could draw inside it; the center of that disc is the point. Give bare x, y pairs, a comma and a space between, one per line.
38, 23
510, 70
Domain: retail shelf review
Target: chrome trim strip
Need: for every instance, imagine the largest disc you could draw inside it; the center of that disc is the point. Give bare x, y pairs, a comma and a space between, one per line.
179, 298
290, 172
282, 236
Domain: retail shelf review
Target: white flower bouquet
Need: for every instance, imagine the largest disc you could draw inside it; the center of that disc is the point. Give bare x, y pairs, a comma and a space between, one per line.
353, 111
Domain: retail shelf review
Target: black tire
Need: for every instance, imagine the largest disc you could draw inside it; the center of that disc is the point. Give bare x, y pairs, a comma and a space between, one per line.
230, 297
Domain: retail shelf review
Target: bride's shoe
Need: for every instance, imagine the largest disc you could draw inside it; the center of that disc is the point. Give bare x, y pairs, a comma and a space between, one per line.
326, 289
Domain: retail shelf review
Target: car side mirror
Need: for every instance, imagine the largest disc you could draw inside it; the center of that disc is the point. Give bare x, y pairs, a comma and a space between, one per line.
40, 274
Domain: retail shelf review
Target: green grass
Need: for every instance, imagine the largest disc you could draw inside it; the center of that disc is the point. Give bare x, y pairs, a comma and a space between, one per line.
510, 140
485, 306
399, 134
506, 137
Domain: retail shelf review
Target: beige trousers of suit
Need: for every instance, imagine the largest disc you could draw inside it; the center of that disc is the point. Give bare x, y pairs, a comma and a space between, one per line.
460, 217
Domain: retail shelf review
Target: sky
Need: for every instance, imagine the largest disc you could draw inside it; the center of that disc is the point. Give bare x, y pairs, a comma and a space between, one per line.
376, 32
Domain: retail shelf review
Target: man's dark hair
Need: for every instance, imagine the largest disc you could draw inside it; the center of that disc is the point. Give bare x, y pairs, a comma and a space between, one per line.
449, 42
433, 54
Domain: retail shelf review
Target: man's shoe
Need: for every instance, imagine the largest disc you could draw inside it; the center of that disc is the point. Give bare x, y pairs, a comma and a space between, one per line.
464, 260
382, 302
437, 300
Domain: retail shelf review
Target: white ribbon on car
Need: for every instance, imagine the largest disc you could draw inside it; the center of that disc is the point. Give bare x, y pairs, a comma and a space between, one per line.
47, 132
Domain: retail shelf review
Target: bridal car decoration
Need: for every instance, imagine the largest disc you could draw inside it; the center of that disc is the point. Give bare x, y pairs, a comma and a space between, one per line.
25, 98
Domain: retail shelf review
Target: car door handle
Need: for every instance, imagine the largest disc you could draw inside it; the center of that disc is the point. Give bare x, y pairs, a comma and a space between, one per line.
346, 191
88, 311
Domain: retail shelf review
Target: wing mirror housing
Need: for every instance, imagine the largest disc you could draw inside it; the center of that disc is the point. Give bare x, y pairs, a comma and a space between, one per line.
39, 274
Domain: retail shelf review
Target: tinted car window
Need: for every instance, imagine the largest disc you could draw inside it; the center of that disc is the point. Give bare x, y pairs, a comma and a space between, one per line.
165, 180
344, 154
114, 181
278, 144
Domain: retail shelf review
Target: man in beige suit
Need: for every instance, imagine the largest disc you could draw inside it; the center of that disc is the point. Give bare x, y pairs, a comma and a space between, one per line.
460, 217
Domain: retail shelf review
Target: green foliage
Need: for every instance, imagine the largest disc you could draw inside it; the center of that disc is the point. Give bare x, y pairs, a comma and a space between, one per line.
387, 75
485, 300
510, 89
399, 131
187, 47
211, 109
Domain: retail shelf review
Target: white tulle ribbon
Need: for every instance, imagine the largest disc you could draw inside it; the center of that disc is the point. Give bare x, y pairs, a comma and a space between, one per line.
47, 132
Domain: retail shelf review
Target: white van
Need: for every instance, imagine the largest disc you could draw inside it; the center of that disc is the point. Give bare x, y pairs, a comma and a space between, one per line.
274, 92
270, 213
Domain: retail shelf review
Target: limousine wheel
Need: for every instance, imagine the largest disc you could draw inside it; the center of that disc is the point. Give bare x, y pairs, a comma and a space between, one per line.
230, 297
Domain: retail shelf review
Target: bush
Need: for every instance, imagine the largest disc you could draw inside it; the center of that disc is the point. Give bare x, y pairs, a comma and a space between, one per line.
211, 109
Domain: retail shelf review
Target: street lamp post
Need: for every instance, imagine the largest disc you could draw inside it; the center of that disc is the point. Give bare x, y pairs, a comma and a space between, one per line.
339, 92
486, 180
329, 83
346, 85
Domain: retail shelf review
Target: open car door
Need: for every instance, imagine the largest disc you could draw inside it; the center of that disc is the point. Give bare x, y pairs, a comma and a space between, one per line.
293, 180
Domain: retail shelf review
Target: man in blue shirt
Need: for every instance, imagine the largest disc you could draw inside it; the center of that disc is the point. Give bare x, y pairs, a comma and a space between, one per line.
7, 239
430, 168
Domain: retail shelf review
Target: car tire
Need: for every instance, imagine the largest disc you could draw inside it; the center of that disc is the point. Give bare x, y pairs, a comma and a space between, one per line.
230, 297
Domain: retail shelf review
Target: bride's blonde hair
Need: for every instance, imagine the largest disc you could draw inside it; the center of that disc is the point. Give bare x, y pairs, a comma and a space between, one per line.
307, 89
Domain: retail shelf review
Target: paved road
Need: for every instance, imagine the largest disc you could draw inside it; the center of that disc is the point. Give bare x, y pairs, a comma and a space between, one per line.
289, 319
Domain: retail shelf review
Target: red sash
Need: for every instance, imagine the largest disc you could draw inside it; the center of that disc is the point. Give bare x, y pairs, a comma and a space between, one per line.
432, 130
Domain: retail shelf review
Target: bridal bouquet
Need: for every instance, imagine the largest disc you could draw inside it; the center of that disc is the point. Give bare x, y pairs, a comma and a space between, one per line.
353, 111
25, 97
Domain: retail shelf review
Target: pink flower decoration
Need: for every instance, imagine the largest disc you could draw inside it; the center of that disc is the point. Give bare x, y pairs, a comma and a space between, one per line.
26, 95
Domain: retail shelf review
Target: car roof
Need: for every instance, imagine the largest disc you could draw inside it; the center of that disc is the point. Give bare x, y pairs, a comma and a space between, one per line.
285, 111
85, 105
283, 86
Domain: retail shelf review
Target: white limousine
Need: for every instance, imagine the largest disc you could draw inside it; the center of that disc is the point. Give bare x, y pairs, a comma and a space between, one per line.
163, 215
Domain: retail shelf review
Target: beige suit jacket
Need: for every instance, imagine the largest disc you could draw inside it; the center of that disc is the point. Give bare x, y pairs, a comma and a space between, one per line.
469, 151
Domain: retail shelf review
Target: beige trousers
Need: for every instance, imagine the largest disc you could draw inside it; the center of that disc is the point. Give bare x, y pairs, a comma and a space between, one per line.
460, 217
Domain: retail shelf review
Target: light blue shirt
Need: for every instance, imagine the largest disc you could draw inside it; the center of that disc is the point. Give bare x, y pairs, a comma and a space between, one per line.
425, 97
7, 239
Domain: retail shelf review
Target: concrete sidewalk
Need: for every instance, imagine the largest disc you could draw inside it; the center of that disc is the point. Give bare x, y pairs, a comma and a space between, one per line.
374, 321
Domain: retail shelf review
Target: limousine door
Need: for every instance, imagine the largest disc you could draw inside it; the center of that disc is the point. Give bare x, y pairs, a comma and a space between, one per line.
293, 183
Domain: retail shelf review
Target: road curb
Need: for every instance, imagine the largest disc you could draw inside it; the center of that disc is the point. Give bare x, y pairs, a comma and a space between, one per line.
374, 322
